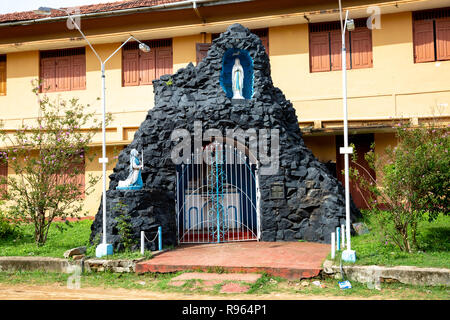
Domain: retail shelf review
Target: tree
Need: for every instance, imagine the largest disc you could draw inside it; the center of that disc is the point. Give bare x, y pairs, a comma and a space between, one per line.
414, 183
47, 159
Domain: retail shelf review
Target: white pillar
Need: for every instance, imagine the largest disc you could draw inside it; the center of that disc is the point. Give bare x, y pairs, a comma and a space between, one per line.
333, 245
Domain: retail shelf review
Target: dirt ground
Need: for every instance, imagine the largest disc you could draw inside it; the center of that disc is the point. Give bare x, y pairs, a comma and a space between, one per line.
58, 292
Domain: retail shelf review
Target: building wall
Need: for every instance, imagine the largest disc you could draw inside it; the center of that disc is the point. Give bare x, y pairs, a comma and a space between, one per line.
394, 87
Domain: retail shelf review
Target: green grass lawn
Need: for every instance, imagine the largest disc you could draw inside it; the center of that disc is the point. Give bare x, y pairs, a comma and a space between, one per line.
433, 239
61, 237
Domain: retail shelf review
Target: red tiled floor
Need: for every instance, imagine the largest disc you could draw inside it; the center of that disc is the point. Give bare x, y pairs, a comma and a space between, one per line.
291, 260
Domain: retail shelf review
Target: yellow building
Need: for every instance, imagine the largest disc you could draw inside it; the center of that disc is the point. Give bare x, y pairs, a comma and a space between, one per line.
397, 69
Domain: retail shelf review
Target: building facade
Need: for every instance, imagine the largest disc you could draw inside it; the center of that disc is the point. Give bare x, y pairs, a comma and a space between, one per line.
397, 69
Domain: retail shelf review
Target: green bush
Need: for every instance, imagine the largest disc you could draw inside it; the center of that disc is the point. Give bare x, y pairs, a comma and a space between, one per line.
414, 183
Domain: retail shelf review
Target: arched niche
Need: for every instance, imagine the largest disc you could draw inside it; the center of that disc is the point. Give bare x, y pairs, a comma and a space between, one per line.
227, 66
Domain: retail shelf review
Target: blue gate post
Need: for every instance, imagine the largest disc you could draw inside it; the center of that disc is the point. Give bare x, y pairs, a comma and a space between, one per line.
159, 238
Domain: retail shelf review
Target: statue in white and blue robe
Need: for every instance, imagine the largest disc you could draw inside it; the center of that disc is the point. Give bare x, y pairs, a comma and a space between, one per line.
237, 79
134, 179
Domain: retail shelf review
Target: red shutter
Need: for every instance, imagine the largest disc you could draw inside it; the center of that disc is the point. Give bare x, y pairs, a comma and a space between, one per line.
48, 74
2, 77
361, 50
147, 67
164, 62
265, 42
202, 51
423, 41
130, 68
78, 72
63, 73
336, 49
443, 39
319, 51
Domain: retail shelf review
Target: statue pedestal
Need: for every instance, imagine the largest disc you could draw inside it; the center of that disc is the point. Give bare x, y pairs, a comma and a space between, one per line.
103, 249
242, 102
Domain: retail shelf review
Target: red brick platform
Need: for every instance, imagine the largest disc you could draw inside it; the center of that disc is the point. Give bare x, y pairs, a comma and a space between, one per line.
290, 260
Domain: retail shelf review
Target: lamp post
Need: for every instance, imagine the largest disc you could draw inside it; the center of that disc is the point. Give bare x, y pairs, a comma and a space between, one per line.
104, 248
348, 254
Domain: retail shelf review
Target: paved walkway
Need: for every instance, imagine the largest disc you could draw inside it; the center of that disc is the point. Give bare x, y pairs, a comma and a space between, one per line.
290, 260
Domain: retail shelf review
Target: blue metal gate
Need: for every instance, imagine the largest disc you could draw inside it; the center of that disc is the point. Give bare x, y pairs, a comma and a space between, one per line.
217, 196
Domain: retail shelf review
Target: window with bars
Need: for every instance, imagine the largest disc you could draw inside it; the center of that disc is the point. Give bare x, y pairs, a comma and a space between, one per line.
2, 74
431, 30
325, 46
141, 68
63, 70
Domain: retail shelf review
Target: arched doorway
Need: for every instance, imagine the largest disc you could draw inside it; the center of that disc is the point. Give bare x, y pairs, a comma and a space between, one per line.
217, 196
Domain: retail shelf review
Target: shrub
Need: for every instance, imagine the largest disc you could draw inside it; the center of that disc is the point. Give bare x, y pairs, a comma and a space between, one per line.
414, 183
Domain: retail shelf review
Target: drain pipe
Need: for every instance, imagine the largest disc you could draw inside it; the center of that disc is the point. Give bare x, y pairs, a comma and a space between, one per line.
197, 12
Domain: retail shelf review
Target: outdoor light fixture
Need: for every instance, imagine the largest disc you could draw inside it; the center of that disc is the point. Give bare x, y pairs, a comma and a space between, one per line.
350, 25
348, 254
143, 47
104, 248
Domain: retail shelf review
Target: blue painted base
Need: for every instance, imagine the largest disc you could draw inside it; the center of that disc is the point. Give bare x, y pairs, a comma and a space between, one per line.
103, 249
349, 256
129, 188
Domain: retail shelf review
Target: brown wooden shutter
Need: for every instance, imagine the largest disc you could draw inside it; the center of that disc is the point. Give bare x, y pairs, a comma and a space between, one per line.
265, 42
164, 61
319, 51
443, 39
336, 50
63, 73
361, 49
130, 67
202, 51
78, 72
48, 74
2, 77
147, 69
423, 41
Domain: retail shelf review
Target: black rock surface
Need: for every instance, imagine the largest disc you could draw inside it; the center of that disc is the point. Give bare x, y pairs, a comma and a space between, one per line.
314, 202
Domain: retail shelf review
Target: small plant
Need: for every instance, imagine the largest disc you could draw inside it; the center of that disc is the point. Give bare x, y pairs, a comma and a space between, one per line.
169, 82
124, 226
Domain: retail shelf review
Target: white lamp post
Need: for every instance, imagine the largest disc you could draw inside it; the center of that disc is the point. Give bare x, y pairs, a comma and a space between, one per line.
348, 254
104, 248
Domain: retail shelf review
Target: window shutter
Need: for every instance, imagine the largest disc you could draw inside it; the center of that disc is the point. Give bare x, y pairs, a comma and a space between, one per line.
319, 51
147, 67
163, 61
2, 77
265, 42
443, 39
63, 73
423, 41
202, 51
48, 74
336, 50
361, 50
130, 67
78, 72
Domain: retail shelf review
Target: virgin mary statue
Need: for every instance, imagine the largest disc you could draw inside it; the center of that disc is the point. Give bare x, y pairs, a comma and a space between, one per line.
134, 180
237, 79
